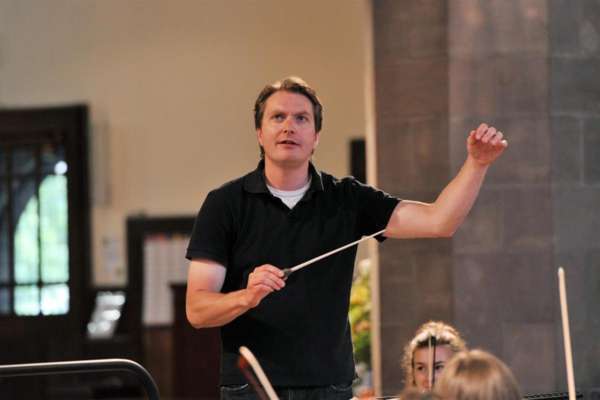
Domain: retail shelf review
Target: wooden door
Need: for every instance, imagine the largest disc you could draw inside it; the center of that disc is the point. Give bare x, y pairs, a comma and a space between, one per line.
44, 239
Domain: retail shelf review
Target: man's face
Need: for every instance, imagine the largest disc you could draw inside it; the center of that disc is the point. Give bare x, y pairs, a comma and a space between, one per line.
421, 359
287, 133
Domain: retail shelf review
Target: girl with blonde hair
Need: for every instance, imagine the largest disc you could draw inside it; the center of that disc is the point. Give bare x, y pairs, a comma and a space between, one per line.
434, 344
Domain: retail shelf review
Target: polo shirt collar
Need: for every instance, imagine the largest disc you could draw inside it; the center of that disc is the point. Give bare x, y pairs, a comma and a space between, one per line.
255, 182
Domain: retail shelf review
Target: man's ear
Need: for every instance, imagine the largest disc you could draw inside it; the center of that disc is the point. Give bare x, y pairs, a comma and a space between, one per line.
259, 136
317, 137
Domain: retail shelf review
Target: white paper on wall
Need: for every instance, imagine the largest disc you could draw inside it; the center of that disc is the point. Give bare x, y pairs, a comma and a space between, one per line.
164, 264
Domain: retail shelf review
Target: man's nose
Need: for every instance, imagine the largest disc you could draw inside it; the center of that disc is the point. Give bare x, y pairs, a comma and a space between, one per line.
289, 125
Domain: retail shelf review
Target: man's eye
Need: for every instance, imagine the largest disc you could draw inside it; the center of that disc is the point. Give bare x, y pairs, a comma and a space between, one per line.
301, 118
439, 367
278, 117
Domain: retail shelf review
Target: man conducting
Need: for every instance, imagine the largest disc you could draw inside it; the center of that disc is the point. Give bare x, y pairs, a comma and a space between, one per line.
286, 212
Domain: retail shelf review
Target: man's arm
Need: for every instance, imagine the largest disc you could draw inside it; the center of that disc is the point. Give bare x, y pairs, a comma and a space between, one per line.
207, 307
412, 219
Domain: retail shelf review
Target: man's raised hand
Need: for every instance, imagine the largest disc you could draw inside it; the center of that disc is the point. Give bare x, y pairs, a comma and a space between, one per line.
486, 144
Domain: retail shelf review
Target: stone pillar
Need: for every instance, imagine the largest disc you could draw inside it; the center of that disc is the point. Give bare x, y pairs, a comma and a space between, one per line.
505, 284
411, 100
529, 68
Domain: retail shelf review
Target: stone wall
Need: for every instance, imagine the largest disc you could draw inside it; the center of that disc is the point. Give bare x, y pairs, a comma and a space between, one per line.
505, 285
574, 32
527, 67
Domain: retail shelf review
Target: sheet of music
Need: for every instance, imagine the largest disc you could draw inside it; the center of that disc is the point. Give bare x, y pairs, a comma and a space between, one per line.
164, 264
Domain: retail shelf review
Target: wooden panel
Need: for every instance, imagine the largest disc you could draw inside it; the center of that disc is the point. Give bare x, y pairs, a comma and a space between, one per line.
158, 348
197, 355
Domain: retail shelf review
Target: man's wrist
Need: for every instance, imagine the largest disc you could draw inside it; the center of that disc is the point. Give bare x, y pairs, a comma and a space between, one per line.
244, 299
472, 162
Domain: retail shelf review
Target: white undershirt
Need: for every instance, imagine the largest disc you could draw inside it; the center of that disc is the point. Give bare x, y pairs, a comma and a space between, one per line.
290, 197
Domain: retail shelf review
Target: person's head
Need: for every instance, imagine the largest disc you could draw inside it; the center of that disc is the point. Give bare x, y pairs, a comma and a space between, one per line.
289, 104
477, 375
434, 342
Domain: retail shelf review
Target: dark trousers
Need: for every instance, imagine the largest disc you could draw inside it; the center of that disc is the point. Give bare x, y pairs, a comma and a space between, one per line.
332, 392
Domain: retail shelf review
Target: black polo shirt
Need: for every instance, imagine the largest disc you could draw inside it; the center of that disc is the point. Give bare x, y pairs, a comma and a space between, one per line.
300, 334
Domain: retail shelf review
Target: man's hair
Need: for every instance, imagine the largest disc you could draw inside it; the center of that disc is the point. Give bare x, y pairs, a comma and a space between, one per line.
291, 84
477, 375
443, 333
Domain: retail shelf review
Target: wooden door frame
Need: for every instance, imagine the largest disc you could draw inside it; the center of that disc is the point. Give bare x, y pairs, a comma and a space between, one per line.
24, 125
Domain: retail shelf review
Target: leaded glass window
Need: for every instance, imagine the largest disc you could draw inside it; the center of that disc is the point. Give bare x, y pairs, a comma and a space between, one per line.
34, 252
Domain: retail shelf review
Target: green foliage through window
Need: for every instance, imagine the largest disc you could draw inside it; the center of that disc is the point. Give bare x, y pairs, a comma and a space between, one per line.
42, 235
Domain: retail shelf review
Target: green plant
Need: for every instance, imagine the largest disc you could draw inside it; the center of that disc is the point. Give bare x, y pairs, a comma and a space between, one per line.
360, 314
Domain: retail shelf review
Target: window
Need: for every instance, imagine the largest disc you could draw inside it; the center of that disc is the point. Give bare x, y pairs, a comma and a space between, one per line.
34, 250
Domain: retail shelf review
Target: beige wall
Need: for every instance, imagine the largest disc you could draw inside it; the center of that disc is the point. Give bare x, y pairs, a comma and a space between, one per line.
170, 85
